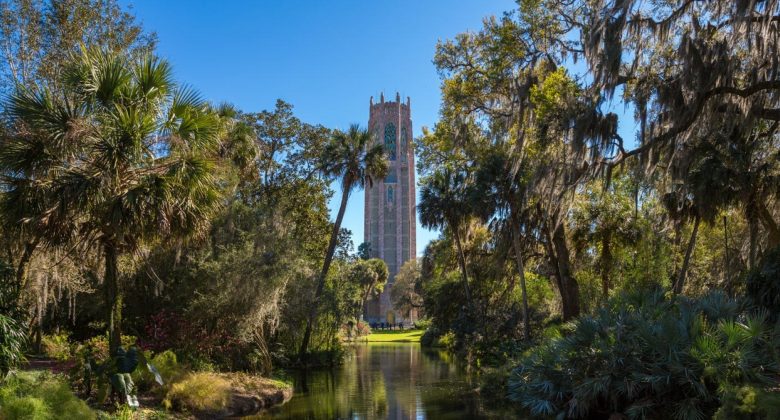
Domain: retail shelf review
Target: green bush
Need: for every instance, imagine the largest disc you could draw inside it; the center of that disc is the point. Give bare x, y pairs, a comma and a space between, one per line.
748, 402
649, 356
166, 364
447, 341
423, 324
429, 337
33, 395
56, 346
97, 346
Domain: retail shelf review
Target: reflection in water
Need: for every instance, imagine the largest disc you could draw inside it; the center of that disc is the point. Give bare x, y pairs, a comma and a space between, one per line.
386, 380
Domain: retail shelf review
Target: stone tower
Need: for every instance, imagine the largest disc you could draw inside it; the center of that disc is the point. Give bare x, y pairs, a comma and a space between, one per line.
390, 209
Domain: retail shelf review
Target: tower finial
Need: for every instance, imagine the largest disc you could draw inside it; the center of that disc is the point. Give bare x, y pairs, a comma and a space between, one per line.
408, 102
371, 101
397, 97
382, 97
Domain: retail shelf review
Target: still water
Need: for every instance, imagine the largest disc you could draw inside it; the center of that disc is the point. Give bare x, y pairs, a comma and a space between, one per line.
388, 381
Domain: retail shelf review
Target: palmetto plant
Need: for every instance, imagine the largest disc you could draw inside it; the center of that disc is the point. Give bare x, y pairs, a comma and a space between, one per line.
120, 155
12, 344
648, 356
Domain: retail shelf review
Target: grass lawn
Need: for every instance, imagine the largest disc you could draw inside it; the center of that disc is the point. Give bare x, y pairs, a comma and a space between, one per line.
405, 336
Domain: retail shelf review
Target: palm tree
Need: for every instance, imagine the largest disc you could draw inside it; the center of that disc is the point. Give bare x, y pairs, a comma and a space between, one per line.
127, 156
443, 204
357, 161
501, 194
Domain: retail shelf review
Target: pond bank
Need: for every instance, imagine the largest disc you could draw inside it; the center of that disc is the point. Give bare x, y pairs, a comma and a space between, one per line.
393, 336
43, 390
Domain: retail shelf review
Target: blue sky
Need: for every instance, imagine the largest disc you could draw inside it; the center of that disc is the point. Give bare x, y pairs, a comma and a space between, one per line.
325, 58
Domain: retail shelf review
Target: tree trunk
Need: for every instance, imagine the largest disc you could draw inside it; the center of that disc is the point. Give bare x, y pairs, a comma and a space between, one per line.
606, 263
462, 262
753, 235
773, 232
23, 267
676, 246
334, 236
678, 285
569, 289
726, 262
113, 298
521, 273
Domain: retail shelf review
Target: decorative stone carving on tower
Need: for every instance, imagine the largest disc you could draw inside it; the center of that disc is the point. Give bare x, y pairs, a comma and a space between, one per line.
390, 204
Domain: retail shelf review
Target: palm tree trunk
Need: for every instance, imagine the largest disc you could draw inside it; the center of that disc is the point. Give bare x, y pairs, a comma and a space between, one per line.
521, 273
678, 285
569, 289
334, 236
113, 297
462, 262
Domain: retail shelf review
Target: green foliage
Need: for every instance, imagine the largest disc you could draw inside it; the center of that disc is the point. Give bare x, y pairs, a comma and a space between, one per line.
109, 180
748, 402
56, 346
551, 95
42, 396
406, 290
165, 364
9, 289
44, 33
96, 347
446, 341
12, 344
646, 355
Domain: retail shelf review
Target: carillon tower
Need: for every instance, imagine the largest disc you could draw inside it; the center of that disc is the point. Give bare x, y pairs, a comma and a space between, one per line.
390, 209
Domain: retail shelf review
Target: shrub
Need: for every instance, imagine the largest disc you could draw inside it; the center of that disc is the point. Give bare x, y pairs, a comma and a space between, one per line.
362, 329
97, 347
447, 341
748, 402
429, 337
12, 344
423, 324
648, 356
56, 346
199, 392
166, 364
31, 395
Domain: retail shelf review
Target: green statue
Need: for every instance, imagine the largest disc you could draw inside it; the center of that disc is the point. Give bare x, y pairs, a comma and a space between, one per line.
114, 375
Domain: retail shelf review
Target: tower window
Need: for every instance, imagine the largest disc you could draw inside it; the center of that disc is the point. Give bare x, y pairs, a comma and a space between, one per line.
390, 135
390, 196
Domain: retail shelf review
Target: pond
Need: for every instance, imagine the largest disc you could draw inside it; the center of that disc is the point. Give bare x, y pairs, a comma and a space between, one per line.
388, 380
